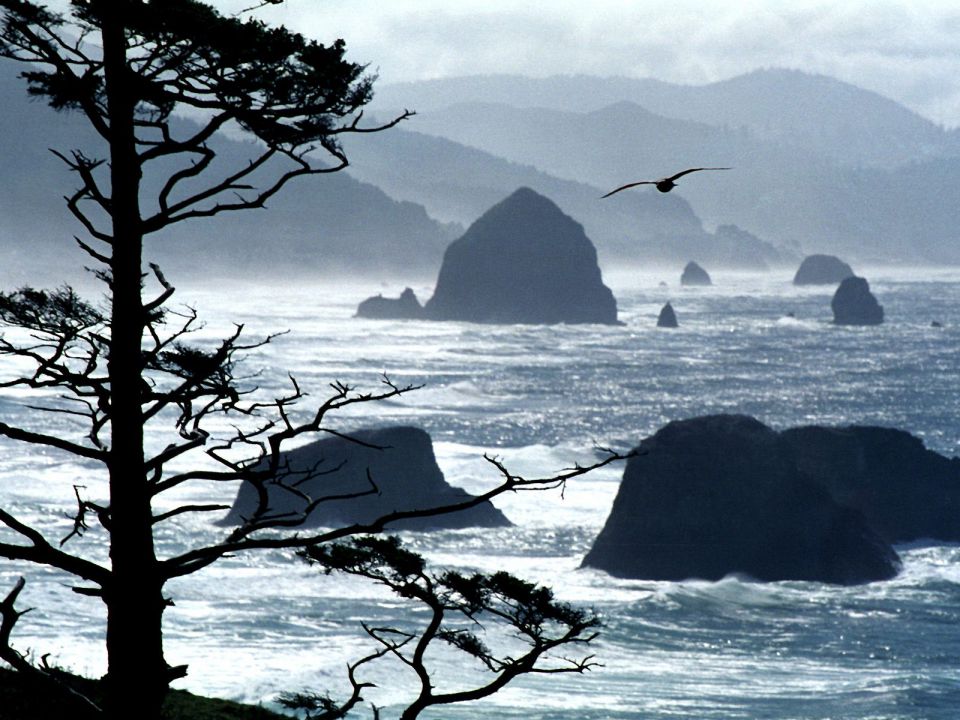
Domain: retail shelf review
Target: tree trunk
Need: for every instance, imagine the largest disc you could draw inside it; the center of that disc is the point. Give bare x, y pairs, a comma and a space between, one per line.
136, 666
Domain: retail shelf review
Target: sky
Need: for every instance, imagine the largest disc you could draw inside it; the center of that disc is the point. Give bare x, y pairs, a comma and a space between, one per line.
907, 50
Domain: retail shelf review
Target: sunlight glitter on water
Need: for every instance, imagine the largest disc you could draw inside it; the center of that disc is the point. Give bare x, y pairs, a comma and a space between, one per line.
541, 398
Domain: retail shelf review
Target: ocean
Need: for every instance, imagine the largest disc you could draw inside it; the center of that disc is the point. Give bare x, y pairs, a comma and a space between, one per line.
542, 398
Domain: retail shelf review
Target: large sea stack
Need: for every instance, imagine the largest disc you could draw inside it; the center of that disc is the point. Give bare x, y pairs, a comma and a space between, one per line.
822, 270
854, 304
523, 261
721, 494
389, 469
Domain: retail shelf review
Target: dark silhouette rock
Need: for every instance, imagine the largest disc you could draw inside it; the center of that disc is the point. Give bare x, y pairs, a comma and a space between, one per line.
668, 318
405, 472
822, 270
936, 324
717, 495
406, 307
693, 274
523, 261
854, 304
905, 491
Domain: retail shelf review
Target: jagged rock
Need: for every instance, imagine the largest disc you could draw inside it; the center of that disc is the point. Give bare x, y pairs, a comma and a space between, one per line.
717, 495
406, 307
693, 274
404, 471
822, 270
854, 304
523, 261
668, 318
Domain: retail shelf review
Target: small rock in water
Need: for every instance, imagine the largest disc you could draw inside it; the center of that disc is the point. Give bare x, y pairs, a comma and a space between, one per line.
406, 307
668, 318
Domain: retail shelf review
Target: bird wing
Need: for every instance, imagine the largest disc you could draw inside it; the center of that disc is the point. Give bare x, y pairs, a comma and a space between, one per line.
629, 185
690, 170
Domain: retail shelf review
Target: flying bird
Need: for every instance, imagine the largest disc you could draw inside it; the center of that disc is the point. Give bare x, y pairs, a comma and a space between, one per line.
666, 184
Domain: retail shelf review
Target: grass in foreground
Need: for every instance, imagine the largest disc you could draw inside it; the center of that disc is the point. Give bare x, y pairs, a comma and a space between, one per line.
26, 698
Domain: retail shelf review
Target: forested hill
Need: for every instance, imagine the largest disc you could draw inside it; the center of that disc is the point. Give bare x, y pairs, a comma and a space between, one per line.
328, 224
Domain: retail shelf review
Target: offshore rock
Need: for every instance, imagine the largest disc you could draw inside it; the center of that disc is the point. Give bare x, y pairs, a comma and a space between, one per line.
905, 491
523, 261
854, 304
822, 270
667, 318
405, 476
693, 274
716, 495
406, 307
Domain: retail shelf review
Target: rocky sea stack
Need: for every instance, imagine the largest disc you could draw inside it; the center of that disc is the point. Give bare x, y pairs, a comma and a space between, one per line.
822, 270
400, 463
406, 307
523, 261
854, 304
667, 318
906, 492
724, 494
694, 275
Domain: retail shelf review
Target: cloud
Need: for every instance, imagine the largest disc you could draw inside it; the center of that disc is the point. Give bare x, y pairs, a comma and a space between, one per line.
908, 50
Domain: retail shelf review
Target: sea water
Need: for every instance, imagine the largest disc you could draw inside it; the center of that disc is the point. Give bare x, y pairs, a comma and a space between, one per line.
542, 398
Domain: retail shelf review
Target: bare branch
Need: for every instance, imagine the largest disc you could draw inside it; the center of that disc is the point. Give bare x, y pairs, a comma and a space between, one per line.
188, 509
168, 290
10, 617
322, 707
40, 439
42, 552
80, 518
17, 660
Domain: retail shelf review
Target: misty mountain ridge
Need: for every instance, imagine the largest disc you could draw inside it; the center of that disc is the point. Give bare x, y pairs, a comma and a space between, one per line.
318, 225
339, 223
828, 116
411, 190
796, 193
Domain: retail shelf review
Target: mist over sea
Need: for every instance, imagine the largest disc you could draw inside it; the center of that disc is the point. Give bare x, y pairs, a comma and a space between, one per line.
541, 398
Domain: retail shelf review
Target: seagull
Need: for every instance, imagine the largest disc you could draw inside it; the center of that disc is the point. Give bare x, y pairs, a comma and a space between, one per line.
664, 185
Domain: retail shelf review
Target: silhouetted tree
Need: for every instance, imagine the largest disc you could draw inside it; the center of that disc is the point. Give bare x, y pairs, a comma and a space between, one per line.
461, 610
126, 368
